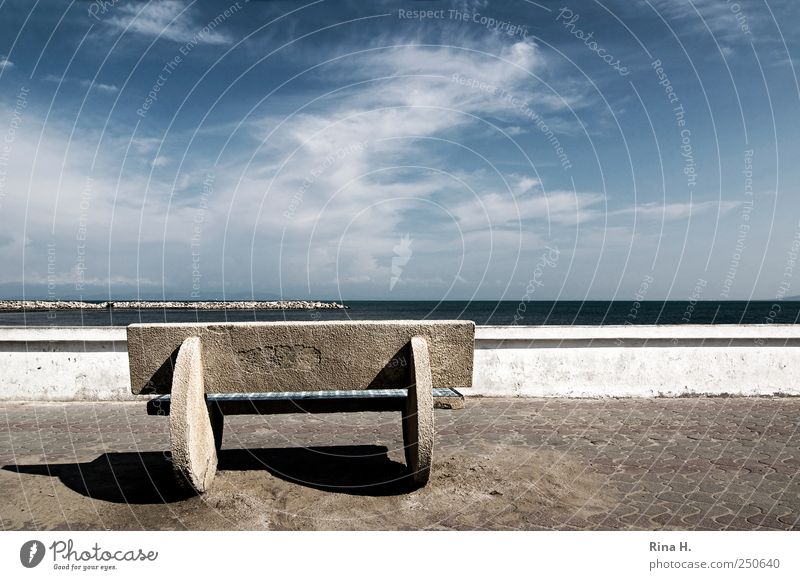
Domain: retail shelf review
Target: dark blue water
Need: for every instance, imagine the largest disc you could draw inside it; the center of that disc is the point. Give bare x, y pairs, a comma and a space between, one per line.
483, 312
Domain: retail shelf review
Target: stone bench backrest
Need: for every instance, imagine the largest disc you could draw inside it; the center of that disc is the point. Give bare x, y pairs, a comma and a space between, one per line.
256, 357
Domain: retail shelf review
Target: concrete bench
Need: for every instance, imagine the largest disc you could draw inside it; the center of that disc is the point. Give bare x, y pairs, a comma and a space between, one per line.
202, 372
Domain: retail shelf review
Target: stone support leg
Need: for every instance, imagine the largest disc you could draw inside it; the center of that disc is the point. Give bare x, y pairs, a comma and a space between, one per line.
418, 414
194, 454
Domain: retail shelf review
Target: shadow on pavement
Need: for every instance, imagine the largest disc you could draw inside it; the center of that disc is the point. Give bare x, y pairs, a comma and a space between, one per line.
147, 478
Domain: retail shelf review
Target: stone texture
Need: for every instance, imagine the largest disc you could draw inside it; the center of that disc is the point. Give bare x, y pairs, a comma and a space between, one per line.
194, 455
301, 356
417, 419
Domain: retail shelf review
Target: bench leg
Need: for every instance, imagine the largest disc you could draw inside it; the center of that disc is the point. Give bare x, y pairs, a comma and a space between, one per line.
194, 455
418, 414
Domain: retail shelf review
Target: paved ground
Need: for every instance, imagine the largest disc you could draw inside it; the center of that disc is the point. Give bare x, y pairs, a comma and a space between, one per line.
722, 463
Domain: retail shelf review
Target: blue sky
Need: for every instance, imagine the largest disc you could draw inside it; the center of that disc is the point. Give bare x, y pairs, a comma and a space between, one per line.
400, 150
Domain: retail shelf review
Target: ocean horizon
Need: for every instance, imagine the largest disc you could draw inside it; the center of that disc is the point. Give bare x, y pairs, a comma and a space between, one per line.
482, 312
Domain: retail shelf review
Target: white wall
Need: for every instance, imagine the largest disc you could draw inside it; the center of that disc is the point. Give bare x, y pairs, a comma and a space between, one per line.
58, 364
636, 361
530, 361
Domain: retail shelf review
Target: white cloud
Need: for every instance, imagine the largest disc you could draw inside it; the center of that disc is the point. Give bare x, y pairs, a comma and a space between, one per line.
383, 157
161, 161
5, 63
679, 210
481, 79
525, 183
145, 144
104, 87
168, 19
729, 22
495, 210
56, 191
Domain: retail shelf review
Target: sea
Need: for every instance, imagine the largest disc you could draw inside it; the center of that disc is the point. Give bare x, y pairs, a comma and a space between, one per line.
570, 313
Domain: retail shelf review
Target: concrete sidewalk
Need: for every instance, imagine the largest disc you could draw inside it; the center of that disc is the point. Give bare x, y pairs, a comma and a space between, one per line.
695, 463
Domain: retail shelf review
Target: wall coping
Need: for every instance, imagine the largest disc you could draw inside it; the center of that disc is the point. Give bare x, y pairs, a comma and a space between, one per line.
640, 332
494, 333
63, 334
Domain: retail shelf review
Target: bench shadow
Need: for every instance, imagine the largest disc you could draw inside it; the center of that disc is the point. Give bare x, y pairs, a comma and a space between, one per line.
396, 373
147, 478
133, 478
352, 469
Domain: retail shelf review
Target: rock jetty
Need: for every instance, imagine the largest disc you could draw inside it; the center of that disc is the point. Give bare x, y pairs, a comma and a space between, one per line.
177, 304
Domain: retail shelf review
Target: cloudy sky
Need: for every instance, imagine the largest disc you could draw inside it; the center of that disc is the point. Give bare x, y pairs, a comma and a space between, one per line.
400, 150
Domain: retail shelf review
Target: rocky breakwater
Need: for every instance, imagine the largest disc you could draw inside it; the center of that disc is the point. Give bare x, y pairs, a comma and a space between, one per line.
30, 305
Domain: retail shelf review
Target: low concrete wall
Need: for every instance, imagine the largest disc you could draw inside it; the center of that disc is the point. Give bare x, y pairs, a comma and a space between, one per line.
530, 361
636, 361
63, 364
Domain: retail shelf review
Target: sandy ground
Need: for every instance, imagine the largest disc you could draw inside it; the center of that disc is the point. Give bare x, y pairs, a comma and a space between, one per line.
499, 464
318, 488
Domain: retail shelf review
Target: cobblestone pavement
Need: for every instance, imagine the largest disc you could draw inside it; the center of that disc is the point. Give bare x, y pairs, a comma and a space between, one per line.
694, 463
